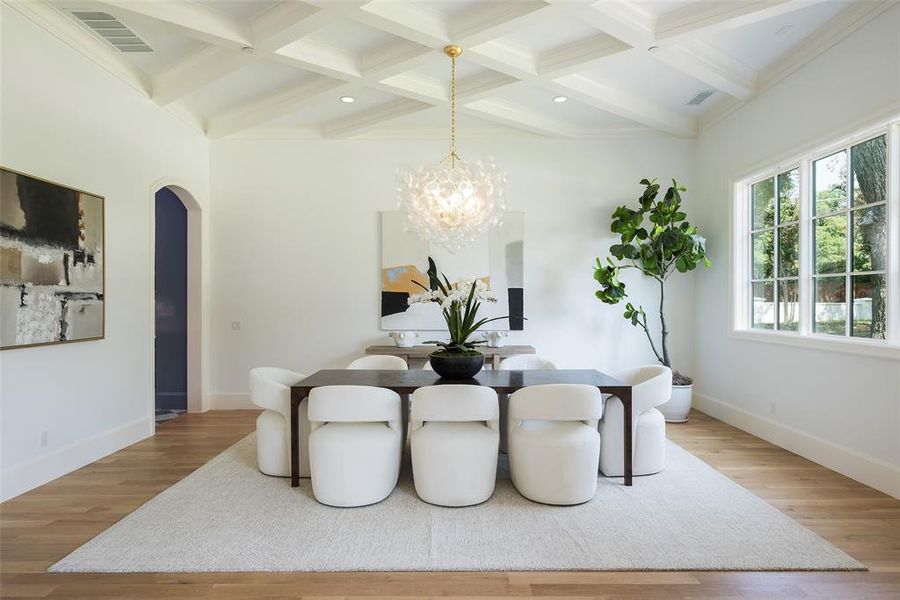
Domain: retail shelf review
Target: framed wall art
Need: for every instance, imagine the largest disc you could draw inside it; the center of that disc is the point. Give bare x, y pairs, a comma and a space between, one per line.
51, 262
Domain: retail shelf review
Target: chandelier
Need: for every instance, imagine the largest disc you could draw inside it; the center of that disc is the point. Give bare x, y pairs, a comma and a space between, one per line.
452, 202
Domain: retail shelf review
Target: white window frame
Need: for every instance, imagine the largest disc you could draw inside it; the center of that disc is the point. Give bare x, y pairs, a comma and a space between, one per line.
741, 251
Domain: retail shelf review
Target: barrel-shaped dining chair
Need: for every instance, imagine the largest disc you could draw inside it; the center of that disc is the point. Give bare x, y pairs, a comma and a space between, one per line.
385, 362
554, 444
517, 362
270, 390
521, 362
650, 386
355, 444
454, 439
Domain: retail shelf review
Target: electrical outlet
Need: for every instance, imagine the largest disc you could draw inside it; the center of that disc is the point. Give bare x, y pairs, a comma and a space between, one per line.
237, 325
44, 439
773, 409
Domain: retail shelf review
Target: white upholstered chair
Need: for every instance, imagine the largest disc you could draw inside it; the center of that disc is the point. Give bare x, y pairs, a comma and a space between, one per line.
354, 444
384, 362
518, 362
521, 362
651, 386
270, 389
454, 439
554, 444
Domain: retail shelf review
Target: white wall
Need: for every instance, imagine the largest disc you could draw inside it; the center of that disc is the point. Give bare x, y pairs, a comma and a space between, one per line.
842, 410
296, 247
67, 120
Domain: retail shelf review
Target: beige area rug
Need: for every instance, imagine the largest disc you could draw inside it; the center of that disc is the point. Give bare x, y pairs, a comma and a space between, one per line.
226, 516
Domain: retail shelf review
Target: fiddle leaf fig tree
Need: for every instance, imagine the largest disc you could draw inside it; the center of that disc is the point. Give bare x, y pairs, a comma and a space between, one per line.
656, 240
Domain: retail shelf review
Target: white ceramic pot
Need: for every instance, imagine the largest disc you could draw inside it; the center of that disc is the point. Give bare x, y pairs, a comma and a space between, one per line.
677, 409
495, 339
404, 339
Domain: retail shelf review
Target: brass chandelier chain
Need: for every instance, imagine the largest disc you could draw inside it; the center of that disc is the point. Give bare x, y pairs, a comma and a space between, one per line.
453, 52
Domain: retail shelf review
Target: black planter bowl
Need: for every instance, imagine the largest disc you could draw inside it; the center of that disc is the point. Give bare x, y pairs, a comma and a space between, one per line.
456, 366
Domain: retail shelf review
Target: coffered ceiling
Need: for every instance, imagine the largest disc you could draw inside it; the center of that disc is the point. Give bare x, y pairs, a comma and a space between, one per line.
281, 68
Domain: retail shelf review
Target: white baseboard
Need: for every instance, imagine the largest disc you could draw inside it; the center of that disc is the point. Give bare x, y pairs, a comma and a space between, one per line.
47, 467
231, 402
866, 469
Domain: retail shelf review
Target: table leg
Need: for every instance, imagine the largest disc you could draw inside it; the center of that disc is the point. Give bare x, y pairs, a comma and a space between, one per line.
295, 441
625, 397
496, 362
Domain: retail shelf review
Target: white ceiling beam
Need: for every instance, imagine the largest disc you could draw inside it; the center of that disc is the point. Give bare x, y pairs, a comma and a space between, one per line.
362, 121
269, 106
416, 87
692, 57
394, 58
436, 92
624, 104
516, 116
197, 70
420, 27
620, 19
707, 64
320, 58
403, 20
716, 15
77, 37
195, 20
493, 20
286, 22
386, 69
261, 110
502, 58
484, 85
470, 90
283, 23
575, 56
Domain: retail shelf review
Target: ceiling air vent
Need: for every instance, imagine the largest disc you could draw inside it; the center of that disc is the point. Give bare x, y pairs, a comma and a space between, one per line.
700, 97
113, 31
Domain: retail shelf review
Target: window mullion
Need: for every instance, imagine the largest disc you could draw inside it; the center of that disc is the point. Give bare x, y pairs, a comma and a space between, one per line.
804, 276
848, 254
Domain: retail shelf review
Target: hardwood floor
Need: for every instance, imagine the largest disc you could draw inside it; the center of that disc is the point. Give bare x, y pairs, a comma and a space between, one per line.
42, 526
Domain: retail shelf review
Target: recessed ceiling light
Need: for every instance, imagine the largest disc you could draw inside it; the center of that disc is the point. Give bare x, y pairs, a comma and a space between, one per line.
652, 48
783, 29
560, 99
347, 99
247, 50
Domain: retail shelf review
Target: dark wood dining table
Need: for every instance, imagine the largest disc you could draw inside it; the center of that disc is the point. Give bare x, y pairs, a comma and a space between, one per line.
503, 382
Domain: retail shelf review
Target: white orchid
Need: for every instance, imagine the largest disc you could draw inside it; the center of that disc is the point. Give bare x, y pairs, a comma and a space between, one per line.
459, 302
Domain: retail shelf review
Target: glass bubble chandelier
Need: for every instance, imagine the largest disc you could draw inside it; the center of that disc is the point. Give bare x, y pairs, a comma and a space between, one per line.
452, 202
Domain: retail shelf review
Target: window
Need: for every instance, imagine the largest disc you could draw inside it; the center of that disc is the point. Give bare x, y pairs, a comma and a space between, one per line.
816, 244
775, 245
850, 241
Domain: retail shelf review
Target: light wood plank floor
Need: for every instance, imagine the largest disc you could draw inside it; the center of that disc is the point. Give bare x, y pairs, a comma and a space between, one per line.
42, 526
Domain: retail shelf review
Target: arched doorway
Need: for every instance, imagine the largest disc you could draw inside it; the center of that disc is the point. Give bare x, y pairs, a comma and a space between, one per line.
170, 297
185, 229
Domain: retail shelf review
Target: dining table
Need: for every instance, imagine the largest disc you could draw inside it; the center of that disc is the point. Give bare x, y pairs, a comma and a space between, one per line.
502, 381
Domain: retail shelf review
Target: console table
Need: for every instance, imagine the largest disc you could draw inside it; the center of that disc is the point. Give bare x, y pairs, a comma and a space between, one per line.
415, 356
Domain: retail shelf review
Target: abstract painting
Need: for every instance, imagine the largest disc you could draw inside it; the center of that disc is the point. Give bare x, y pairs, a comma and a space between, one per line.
51, 263
496, 257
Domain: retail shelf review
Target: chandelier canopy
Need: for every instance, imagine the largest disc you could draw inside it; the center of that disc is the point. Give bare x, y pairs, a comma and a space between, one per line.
452, 202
